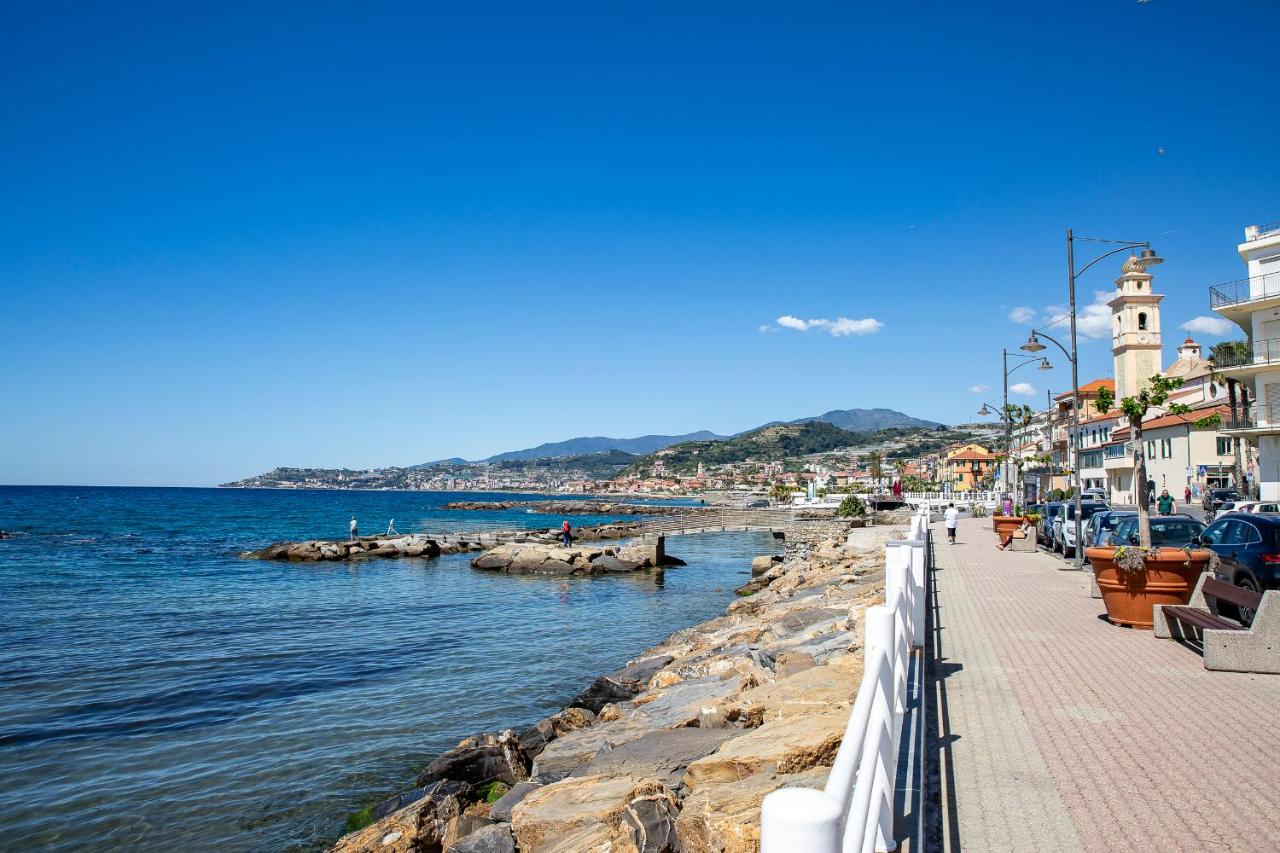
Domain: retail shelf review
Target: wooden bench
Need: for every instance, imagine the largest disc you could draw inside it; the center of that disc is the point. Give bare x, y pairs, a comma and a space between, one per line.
1227, 645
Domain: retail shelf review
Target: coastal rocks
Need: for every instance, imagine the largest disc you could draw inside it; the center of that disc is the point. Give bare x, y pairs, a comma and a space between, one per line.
725, 818
492, 757
764, 563
420, 825
677, 749
365, 547
523, 558
491, 839
598, 812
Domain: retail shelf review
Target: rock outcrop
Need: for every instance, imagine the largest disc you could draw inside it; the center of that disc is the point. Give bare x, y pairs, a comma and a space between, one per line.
524, 558
675, 751
362, 548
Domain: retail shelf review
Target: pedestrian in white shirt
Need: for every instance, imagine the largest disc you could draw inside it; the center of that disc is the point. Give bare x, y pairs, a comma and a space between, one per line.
952, 518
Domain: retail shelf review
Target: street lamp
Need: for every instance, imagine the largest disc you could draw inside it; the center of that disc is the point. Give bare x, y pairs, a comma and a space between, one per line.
1042, 364
1147, 258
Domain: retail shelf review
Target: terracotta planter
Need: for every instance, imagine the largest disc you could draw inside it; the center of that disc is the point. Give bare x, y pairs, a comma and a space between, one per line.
1003, 525
1130, 596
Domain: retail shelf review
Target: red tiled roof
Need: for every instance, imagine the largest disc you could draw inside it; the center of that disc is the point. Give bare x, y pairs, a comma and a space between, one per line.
1175, 420
1090, 388
971, 456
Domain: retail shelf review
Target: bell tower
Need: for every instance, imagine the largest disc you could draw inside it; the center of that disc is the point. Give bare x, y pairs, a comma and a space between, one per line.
1135, 329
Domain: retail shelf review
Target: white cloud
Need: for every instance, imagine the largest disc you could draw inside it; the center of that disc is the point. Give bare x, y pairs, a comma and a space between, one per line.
1023, 388
1022, 314
978, 389
1215, 326
766, 327
1093, 321
838, 327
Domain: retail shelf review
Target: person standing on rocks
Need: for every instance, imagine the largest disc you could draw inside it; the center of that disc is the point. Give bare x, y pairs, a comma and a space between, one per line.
565, 534
354, 531
952, 518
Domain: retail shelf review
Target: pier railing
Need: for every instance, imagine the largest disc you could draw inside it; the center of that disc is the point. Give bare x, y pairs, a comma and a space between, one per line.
856, 809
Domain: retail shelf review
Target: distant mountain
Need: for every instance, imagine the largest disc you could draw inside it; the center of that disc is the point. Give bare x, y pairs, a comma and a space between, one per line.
868, 420
599, 444
771, 442
452, 460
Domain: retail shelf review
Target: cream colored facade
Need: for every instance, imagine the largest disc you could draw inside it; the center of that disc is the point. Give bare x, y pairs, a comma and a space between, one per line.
1135, 329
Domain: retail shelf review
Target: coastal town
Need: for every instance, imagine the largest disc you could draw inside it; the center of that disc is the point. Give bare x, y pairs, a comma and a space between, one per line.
1220, 429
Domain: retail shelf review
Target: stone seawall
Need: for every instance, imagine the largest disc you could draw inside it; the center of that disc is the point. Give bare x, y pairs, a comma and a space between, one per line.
676, 750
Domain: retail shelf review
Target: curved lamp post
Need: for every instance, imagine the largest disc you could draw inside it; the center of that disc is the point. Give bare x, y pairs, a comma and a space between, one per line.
1147, 258
1043, 364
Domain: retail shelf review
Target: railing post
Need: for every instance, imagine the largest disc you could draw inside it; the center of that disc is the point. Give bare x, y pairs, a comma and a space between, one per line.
800, 819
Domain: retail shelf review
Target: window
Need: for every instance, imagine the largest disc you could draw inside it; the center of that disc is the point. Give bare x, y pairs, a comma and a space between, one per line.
1151, 450
1224, 446
1115, 451
1215, 533
1166, 448
1142, 322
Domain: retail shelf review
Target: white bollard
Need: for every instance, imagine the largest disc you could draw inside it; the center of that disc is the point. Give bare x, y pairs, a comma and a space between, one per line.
799, 819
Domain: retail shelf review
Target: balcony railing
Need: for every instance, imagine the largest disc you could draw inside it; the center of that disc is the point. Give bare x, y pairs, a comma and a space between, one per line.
1257, 232
1244, 290
1256, 416
1260, 352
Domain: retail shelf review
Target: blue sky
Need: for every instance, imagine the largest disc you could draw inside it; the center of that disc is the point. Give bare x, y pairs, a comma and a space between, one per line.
369, 234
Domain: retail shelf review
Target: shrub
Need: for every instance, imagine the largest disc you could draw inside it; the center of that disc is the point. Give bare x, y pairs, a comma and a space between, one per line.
851, 507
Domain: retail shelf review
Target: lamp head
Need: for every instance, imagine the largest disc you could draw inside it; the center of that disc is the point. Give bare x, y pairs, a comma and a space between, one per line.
1033, 344
1045, 365
1149, 258
984, 411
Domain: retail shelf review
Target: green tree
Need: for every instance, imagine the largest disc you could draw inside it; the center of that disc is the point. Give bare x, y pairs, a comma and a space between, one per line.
780, 492
1134, 409
1228, 353
875, 465
851, 507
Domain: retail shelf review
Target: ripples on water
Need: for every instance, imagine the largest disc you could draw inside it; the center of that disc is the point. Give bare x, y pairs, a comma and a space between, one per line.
158, 693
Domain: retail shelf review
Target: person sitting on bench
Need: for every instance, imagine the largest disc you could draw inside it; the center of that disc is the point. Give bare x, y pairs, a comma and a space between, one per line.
1007, 539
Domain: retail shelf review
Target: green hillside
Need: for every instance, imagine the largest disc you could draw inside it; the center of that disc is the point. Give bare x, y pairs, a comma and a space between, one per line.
770, 443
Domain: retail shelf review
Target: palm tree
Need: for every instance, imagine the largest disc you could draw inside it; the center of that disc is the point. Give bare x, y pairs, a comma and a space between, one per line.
1228, 353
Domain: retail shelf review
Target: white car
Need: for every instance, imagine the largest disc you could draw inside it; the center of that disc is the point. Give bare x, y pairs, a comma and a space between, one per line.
1247, 506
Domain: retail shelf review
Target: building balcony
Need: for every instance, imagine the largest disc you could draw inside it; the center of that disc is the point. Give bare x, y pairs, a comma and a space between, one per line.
1259, 419
1261, 355
1237, 300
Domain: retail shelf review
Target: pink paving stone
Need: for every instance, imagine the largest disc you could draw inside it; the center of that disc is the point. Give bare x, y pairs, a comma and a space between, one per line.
1073, 734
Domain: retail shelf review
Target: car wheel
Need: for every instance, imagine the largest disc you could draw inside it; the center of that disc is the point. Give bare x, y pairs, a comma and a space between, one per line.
1246, 613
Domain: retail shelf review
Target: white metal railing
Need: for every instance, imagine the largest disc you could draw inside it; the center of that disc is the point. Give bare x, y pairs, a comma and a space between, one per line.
854, 813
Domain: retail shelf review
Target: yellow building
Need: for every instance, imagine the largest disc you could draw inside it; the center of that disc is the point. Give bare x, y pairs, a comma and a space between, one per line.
967, 467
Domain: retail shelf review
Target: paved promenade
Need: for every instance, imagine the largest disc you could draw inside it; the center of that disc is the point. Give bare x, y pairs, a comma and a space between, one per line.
1058, 731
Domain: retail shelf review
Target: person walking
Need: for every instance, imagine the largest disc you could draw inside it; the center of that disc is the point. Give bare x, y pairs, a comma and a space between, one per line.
565, 534
354, 530
1165, 504
951, 517
391, 528
1186, 495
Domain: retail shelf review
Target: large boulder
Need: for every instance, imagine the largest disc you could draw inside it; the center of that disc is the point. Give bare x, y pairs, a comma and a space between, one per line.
789, 745
480, 759
597, 813
725, 817
661, 755
422, 825
491, 839
535, 738
601, 692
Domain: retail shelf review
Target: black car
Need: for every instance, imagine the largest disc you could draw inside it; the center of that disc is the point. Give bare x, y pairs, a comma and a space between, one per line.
1249, 547
1102, 525
1215, 498
1167, 531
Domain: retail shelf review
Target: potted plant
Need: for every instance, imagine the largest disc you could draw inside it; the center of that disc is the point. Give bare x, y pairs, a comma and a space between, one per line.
1134, 578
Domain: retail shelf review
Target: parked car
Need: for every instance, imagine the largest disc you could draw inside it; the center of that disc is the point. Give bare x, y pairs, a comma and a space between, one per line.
1247, 507
1044, 528
1064, 525
1249, 547
1102, 524
1094, 495
1215, 498
1167, 531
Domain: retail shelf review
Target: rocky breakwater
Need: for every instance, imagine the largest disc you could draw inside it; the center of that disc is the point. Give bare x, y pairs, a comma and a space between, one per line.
676, 751
579, 507
538, 559
363, 548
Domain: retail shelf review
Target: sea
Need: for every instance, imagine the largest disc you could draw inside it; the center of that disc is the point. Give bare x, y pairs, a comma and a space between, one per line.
158, 692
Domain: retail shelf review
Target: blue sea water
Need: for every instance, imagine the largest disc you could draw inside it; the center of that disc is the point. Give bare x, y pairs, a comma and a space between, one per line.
157, 692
